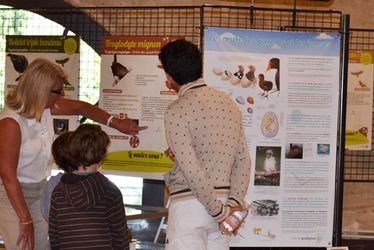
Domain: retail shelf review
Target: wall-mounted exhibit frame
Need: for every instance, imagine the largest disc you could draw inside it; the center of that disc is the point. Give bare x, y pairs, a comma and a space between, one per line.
188, 21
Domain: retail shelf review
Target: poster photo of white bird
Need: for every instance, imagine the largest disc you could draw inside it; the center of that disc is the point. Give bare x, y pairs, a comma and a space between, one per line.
268, 166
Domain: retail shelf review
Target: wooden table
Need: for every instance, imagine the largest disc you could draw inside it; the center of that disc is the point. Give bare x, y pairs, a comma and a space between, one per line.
145, 212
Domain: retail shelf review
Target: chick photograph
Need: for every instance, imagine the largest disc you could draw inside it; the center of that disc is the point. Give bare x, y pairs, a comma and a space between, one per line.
268, 166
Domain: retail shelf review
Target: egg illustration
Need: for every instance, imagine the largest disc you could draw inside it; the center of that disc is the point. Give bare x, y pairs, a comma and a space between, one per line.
269, 125
217, 71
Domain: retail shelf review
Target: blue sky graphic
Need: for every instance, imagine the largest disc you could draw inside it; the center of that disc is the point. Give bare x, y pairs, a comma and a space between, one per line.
271, 42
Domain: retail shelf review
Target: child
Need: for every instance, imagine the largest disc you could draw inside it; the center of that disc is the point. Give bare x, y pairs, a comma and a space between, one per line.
87, 210
64, 161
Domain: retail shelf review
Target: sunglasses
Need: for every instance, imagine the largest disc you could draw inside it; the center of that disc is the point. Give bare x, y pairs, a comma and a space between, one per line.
58, 91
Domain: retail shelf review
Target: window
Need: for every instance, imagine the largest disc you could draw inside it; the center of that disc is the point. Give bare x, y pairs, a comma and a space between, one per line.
22, 22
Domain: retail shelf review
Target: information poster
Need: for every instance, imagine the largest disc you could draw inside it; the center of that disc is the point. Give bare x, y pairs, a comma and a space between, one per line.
287, 86
359, 100
63, 51
132, 85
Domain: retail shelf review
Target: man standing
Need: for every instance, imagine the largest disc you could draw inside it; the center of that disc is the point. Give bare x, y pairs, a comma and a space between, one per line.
204, 131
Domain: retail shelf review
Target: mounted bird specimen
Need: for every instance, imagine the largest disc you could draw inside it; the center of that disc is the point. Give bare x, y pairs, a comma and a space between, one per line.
118, 70
19, 62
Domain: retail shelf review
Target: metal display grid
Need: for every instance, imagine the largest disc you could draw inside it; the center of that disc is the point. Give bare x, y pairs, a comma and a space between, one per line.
189, 22
359, 165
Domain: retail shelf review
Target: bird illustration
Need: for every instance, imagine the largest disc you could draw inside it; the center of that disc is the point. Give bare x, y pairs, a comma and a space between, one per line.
62, 61
226, 75
266, 86
274, 63
68, 85
270, 163
251, 73
364, 131
60, 127
357, 73
237, 76
118, 70
250, 78
362, 85
19, 62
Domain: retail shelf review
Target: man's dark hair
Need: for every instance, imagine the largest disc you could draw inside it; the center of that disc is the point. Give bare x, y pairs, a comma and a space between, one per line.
61, 153
88, 144
182, 60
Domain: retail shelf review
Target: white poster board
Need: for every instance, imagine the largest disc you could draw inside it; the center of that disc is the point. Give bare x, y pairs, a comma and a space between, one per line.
63, 51
359, 100
132, 85
287, 86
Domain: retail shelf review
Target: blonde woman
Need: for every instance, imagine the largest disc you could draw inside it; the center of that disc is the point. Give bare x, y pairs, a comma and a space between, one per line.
26, 135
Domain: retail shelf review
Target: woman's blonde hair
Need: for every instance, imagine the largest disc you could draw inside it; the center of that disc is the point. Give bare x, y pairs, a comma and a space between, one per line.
30, 96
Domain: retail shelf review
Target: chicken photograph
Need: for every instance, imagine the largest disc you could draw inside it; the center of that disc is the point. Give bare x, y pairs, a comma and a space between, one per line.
118, 70
19, 62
